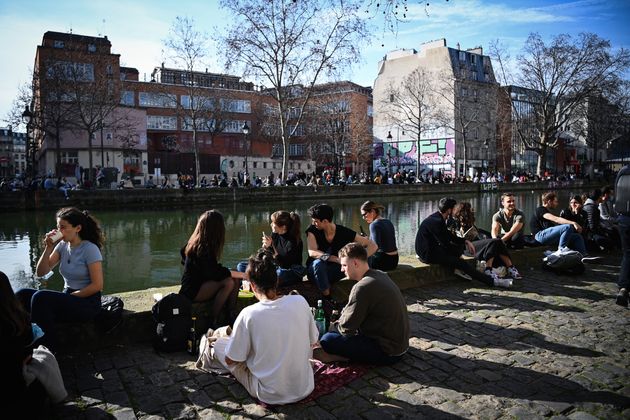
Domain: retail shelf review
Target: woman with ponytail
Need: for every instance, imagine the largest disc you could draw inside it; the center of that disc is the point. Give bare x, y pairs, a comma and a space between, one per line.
266, 354
76, 246
286, 247
383, 234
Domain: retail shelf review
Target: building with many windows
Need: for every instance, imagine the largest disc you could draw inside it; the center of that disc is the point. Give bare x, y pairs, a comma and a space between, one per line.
435, 108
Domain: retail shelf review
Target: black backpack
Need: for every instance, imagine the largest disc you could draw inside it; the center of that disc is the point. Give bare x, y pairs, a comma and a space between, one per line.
172, 315
565, 261
110, 315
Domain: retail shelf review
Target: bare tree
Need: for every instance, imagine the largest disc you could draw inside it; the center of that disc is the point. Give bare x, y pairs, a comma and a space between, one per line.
466, 108
411, 106
188, 48
290, 45
560, 77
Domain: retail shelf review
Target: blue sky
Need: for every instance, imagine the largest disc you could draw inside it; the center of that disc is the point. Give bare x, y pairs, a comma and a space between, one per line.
137, 29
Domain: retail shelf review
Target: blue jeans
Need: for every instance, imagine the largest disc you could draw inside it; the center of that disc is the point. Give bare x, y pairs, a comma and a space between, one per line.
624, 232
324, 273
562, 235
47, 307
357, 348
286, 276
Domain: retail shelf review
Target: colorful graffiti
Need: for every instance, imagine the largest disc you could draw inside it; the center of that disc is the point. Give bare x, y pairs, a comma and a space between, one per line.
435, 154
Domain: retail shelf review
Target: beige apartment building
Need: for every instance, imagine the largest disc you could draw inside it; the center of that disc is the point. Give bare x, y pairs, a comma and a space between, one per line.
435, 109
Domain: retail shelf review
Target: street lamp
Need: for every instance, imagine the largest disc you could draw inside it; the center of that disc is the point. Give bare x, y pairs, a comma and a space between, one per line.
389, 152
245, 130
27, 118
486, 146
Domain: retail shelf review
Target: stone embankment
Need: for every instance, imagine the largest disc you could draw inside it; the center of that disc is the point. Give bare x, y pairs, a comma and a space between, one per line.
152, 198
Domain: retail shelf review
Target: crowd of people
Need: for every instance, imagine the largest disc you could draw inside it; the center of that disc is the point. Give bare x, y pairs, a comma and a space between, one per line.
267, 355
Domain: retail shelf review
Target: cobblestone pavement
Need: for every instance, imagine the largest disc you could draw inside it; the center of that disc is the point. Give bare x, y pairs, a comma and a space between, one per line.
552, 346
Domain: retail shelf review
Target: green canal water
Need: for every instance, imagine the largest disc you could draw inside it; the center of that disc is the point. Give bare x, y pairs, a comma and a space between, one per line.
142, 247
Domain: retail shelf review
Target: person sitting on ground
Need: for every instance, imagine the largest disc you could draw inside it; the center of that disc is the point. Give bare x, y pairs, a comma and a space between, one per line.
575, 212
487, 249
324, 239
607, 208
374, 325
552, 230
78, 253
382, 232
435, 244
508, 224
622, 207
204, 277
604, 235
266, 354
150, 183
18, 399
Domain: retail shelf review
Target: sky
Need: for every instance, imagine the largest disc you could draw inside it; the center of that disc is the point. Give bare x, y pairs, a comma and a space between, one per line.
137, 29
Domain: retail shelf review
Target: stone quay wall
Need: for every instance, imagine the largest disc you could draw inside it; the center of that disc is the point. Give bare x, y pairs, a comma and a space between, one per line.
169, 198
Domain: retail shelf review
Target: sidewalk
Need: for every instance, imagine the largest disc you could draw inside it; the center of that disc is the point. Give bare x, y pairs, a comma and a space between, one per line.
552, 346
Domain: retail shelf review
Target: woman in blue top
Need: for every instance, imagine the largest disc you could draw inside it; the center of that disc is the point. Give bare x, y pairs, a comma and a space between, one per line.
78, 253
383, 234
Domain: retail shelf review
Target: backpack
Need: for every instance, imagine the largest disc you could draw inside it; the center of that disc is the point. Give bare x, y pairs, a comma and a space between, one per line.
110, 315
172, 316
564, 261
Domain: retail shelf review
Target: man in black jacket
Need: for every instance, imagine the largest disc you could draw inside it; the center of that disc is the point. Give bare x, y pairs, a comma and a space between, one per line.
622, 207
435, 244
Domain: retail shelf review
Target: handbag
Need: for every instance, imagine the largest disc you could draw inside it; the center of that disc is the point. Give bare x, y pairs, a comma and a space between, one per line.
207, 360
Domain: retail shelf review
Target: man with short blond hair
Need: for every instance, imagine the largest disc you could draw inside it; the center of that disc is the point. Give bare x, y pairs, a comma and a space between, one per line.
374, 326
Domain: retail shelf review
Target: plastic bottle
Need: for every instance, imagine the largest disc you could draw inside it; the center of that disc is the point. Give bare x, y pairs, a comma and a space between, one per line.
192, 346
320, 318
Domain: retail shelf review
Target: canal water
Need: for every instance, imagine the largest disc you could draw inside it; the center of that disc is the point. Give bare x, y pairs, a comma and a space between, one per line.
142, 247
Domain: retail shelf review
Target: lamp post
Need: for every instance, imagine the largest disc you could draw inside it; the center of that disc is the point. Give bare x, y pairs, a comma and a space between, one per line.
245, 133
486, 146
27, 118
389, 152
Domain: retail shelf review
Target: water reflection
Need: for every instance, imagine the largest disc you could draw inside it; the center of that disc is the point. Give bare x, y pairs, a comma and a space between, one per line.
142, 247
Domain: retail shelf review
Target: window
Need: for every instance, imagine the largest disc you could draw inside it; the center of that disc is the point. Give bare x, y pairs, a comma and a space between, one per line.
264, 165
473, 58
91, 48
235, 126
109, 137
254, 164
110, 69
391, 97
462, 56
157, 100
370, 110
236, 105
296, 150
156, 122
58, 44
202, 124
464, 91
82, 72
126, 98
70, 157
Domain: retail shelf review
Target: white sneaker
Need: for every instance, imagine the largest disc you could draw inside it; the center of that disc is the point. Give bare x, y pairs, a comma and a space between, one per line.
513, 272
481, 266
460, 273
503, 282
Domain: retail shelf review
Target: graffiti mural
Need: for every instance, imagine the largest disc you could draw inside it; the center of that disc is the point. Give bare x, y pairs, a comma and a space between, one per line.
435, 155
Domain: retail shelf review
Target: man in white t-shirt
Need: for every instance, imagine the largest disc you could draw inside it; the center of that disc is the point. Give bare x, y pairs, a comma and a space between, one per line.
271, 342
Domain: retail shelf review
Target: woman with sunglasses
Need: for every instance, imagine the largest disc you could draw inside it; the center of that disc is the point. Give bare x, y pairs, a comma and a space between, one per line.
382, 232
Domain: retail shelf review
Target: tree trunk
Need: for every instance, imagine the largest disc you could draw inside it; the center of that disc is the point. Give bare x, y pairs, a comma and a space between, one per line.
542, 160
418, 156
285, 157
58, 153
196, 150
90, 175
465, 150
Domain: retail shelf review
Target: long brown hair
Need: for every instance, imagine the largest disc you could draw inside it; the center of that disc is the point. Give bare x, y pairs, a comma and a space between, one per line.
371, 205
290, 220
464, 214
14, 320
90, 229
208, 237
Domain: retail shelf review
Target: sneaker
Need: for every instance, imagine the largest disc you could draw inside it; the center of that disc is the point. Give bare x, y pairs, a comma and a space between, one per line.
503, 282
591, 259
460, 273
622, 298
513, 272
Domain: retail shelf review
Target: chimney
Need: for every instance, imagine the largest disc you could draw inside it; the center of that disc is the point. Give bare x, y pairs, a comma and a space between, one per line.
458, 46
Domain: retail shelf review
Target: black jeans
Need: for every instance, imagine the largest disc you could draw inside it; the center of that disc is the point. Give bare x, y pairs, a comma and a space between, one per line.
624, 233
451, 261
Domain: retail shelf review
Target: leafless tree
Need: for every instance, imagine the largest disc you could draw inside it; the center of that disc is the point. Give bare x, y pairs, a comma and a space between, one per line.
560, 75
466, 108
289, 46
411, 106
188, 48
